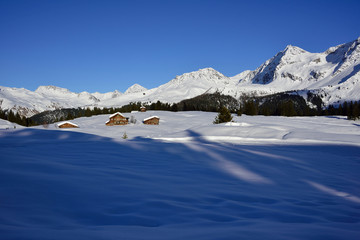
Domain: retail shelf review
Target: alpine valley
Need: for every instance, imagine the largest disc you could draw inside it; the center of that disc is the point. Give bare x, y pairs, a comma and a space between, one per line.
333, 75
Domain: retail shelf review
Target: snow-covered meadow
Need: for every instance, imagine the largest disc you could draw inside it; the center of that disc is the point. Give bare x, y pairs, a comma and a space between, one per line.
256, 178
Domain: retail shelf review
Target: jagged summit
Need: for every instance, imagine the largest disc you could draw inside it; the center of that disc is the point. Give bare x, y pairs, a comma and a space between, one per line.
294, 50
135, 89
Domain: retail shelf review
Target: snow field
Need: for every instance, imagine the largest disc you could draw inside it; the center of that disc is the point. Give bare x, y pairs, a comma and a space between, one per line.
8, 125
175, 126
257, 178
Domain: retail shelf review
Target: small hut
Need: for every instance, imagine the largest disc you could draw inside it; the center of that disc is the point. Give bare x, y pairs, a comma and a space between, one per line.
142, 109
67, 125
117, 119
153, 120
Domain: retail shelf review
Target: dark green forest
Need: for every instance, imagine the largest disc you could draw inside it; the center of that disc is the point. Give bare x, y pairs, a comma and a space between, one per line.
282, 104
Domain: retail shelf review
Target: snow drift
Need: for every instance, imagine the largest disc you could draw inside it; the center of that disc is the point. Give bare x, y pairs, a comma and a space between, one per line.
273, 178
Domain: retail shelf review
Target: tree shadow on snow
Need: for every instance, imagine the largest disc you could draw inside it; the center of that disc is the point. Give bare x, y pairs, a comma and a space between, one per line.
55, 180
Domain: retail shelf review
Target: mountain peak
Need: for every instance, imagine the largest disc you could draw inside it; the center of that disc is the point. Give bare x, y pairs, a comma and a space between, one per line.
207, 74
293, 50
50, 88
207, 70
135, 89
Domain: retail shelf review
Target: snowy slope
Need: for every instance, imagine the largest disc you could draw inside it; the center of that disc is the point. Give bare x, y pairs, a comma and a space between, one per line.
192, 84
334, 74
9, 125
67, 98
252, 130
106, 96
257, 178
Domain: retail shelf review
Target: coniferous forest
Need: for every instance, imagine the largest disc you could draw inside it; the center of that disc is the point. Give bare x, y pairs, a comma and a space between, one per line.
281, 104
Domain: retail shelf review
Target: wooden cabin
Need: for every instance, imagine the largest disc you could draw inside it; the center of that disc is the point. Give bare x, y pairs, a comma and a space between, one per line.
117, 119
67, 125
142, 109
154, 120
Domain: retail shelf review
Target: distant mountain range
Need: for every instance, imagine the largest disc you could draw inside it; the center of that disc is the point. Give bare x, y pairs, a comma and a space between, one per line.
334, 75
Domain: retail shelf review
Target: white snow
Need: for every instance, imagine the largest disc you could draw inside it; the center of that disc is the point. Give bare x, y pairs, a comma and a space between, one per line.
244, 129
117, 113
8, 125
255, 178
67, 122
334, 73
151, 118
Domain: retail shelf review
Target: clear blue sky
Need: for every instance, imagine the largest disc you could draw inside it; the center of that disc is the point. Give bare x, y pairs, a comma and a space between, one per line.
106, 45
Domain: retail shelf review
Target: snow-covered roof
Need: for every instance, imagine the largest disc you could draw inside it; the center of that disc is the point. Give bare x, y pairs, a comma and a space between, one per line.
113, 115
151, 118
67, 122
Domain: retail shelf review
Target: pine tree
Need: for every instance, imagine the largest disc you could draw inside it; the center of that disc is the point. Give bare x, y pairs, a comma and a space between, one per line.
69, 116
17, 118
23, 121
2, 114
239, 112
158, 105
356, 110
88, 112
11, 116
223, 116
251, 108
345, 109
340, 110
350, 111
288, 109
125, 136
174, 107
266, 111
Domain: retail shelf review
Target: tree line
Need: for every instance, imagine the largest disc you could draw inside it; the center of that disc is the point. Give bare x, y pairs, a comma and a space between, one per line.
284, 104
13, 117
290, 108
48, 117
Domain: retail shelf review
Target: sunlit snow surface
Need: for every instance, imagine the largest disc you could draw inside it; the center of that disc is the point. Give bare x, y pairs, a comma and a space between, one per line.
257, 178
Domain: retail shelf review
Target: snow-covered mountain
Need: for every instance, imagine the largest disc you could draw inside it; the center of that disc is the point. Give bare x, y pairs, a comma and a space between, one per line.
193, 84
28, 103
333, 74
105, 96
136, 88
